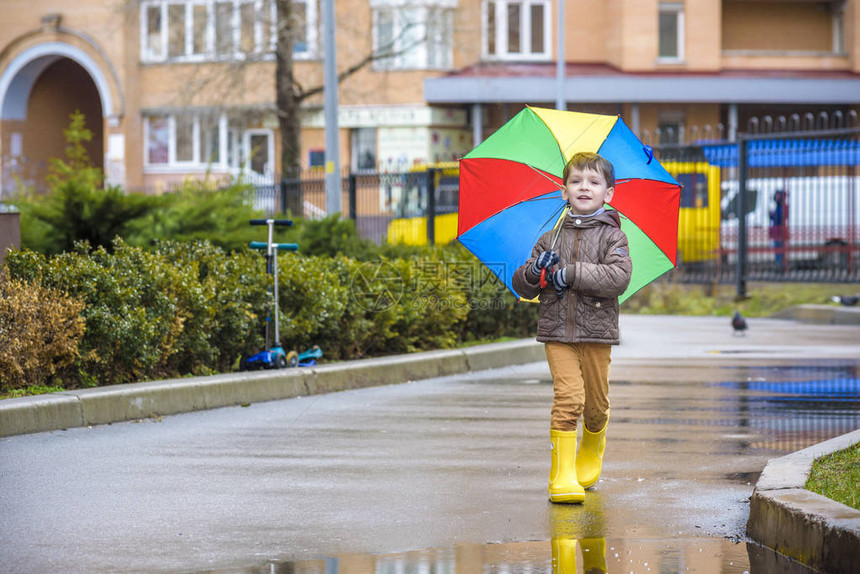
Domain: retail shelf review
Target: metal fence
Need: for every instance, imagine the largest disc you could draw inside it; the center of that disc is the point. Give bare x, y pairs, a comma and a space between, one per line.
384, 205
769, 207
777, 206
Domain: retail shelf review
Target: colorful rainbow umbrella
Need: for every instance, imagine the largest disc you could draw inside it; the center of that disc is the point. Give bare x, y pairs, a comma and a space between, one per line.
510, 191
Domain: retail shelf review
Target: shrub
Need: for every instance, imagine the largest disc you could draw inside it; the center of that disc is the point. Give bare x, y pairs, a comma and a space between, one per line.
202, 211
186, 308
193, 308
226, 318
331, 236
132, 316
313, 300
78, 207
353, 309
492, 310
433, 305
40, 329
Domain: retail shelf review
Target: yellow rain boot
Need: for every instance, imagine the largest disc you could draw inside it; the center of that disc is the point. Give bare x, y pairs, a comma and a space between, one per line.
589, 459
563, 486
563, 555
593, 555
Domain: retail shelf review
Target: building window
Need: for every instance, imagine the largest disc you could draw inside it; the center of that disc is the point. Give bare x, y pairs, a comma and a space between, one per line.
364, 149
671, 32
153, 40
839, 32
670, 127
516, 30
301, 38
316, 158
183, 141
209, 30
413, 37
157, 138
210, 140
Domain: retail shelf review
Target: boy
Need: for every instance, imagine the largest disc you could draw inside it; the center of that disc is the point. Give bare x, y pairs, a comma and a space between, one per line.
586, 271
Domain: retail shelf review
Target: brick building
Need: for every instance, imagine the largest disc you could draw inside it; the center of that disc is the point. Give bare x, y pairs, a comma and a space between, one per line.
186, 88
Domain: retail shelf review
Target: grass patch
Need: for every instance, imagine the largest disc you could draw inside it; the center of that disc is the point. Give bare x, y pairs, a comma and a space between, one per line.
666, 297
31, 390
837, 476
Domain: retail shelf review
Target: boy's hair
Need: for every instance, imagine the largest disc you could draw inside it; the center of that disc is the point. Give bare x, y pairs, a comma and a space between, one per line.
593, 161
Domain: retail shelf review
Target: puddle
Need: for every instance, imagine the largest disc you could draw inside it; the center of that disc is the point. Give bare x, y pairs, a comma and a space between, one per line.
794, 407
556, 556
780, 409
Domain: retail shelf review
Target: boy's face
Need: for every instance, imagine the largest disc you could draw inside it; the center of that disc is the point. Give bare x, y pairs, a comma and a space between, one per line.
586, 191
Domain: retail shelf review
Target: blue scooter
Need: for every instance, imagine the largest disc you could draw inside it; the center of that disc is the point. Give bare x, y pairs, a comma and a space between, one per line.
275, 357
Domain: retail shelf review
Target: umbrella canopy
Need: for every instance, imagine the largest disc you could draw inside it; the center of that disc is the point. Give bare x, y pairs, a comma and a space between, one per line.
510, 191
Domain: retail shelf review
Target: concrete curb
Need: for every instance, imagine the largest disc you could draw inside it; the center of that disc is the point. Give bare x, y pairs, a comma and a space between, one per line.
135, 401
821, 314
787, 518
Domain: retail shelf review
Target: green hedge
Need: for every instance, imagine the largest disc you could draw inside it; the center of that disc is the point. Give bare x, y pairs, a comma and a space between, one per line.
192, 308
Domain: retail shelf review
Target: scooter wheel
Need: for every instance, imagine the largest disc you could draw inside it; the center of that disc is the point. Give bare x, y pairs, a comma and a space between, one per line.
280, 362
292, 359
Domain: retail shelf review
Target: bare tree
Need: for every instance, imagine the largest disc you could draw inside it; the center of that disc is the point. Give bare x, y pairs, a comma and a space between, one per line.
290, 94
225, 80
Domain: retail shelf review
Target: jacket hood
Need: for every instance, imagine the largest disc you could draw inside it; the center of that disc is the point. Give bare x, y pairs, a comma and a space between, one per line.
610, 216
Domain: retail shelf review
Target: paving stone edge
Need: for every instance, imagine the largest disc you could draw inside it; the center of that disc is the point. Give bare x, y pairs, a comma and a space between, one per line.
117, 403
810, 528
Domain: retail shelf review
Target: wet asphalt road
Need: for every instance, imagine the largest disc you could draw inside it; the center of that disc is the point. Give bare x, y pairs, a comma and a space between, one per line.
446, 474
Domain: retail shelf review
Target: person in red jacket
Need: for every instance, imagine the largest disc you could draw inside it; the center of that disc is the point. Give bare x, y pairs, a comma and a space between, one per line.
588, 266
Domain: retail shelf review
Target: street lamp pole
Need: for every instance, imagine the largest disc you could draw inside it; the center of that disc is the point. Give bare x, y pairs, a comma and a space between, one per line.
560, 103
332, 141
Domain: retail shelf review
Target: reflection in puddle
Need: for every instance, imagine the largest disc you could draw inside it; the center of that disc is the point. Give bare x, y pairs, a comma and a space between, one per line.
560, 555
794, 407
781, 408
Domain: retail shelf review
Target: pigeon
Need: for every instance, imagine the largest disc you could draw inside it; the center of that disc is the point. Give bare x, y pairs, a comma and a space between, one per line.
846, 300
739, 324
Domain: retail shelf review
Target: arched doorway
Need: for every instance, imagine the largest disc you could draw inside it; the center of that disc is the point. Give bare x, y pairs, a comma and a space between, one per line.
36, 109
62, 87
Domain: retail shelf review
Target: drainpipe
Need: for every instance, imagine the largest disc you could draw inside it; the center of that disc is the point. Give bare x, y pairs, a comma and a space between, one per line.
634, 119
733, 123
477, 124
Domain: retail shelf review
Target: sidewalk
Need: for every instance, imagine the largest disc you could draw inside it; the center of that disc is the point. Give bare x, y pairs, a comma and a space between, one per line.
693, 349
644, 338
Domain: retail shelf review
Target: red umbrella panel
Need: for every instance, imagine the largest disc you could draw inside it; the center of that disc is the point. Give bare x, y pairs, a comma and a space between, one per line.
510, 191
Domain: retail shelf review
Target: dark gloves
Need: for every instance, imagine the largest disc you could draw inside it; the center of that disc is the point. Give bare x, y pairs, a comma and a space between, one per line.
545, 261
559, 281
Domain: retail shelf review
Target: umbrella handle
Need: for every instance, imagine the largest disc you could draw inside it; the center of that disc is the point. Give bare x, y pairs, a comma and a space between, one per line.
649, 153
543, 282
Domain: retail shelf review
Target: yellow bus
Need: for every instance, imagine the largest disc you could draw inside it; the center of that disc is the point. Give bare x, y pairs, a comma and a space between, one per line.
698, 220
699, 216
410, 226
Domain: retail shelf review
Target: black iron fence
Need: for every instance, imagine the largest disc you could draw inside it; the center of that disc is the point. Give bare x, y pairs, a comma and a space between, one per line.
780, 206
386, 206
769, 207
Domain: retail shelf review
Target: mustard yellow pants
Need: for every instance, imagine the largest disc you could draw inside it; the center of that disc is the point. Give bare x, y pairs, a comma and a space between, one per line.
580, 380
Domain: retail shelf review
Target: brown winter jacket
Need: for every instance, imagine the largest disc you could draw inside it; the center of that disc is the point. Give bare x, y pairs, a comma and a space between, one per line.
596, 258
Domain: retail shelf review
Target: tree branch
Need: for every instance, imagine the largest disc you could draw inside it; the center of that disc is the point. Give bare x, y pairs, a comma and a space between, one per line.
373, 56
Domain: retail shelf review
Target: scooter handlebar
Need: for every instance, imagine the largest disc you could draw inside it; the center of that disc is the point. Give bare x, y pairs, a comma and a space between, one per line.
280, 246
277, 222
